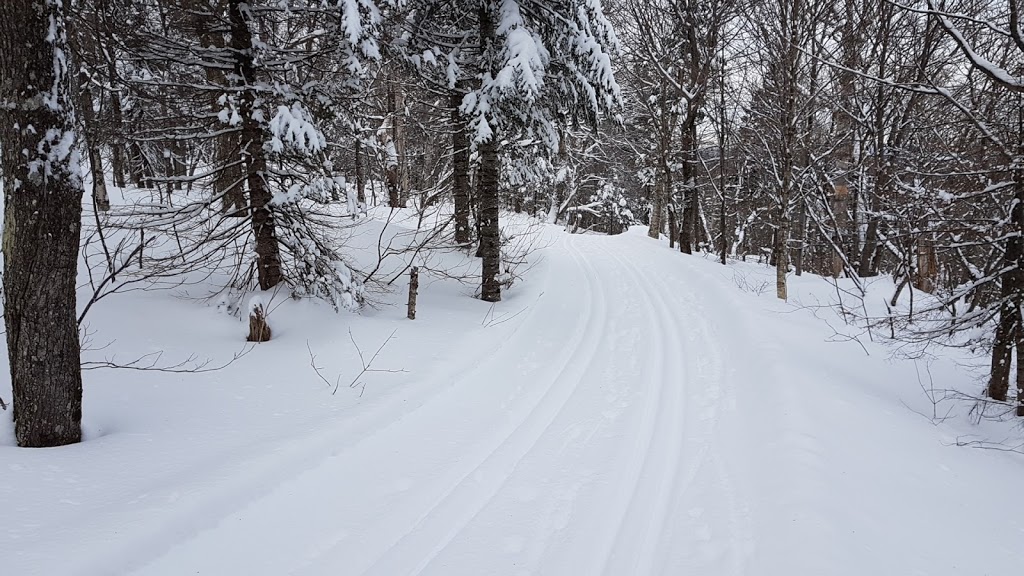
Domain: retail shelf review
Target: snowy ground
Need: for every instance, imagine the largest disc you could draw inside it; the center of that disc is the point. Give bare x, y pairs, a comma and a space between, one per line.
625, 411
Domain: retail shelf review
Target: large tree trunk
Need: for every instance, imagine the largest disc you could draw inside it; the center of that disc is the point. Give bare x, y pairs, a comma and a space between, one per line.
268, 256
460, 169
42, 221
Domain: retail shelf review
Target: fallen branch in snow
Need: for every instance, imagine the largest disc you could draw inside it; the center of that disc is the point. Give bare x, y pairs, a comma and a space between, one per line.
312, 364
490, 320
743, 282
933, 396
151, 363
986, 445
367, 366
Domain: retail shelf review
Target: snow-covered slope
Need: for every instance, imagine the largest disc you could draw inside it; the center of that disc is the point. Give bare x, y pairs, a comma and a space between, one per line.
627, 411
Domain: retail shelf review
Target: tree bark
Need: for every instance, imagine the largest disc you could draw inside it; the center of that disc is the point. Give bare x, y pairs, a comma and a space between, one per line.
229, 179
562, 183
268, 255
662, 180
398, 137
673, 229
118, 162
360, 179
688, 222
392, 152
42, 223
1002, 353
101, 200
487, 187
490, 244
414, 287
460, 169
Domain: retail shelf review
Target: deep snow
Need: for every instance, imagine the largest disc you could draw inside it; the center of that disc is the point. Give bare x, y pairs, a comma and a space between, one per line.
624, 411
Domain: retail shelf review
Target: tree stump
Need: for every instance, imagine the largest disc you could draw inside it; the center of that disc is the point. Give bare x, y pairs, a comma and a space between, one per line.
259, 330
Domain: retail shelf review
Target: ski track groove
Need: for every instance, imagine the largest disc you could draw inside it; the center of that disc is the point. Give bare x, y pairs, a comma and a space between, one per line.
737, 505
701, 416
652, 417
554, 399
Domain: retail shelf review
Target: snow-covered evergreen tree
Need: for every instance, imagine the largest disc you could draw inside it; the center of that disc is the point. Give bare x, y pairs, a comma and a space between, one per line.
526, 67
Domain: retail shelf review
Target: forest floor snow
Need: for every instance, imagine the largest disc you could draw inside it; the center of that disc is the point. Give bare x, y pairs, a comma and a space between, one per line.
625, 410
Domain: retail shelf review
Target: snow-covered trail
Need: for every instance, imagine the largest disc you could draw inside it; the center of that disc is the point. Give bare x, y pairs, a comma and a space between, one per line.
640, 417
584, 444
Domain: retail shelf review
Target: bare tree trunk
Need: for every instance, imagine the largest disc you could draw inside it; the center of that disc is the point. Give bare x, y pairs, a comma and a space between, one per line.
792, 16
673, 227
268, 256
392, 157
1008, 329
1020, 372
360, 179
868, 251
840, 210
414, 286
781, 250
1002, 352
927, 264
229, 180
101, 200
398, 137
118, 160
460, 169
662, 180
562, 184
657, 207
801, 236
118, 164
688, 224
42, 223
490, 248
722, 122
488, 206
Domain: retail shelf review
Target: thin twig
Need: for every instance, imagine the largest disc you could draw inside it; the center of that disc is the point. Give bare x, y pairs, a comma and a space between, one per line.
367, 366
